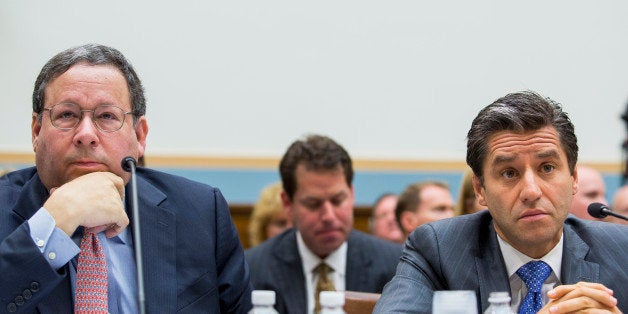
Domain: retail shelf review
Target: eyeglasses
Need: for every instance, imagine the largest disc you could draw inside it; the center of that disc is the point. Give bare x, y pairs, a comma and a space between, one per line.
67, 116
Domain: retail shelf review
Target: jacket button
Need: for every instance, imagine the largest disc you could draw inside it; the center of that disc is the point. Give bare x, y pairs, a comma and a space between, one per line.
11, 307
27, 294
34, 286
19, 300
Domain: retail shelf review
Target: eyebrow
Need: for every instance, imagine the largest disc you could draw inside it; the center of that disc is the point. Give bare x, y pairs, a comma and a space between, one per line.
504, 159
552, 153
315, 198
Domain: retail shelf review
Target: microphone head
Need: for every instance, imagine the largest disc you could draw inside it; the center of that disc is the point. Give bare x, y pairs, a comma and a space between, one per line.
598, 210
126, 163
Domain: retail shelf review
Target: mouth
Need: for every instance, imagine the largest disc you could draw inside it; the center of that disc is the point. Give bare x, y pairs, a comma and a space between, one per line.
88, 165
533, 215
327, 232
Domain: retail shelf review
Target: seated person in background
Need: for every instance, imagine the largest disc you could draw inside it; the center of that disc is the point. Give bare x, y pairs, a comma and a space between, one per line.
467, 202
268, 218
523, 151
423, 202
382, 221
322, 251
591, 189
66, 219
620, 205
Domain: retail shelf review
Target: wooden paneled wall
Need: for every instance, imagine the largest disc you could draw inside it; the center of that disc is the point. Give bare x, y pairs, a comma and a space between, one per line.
241, 213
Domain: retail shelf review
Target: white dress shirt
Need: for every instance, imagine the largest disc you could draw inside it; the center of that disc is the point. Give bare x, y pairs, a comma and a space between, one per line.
337, 260
515, 259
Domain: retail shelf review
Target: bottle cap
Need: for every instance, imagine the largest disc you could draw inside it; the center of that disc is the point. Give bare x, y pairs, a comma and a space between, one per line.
263, 297
332, 298
498, 297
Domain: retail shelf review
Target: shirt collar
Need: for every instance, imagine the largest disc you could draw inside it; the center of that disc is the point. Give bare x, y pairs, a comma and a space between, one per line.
515, 259
336, 260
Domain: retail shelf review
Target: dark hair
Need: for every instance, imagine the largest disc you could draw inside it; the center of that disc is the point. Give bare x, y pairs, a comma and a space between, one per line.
519, 112
315, 152
92, 54
410, 198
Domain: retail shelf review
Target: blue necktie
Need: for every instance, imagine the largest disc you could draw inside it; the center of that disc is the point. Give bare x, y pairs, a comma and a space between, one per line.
533, 274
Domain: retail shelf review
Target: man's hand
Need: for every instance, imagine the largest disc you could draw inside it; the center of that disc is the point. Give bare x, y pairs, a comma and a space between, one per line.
581, 297
93, 201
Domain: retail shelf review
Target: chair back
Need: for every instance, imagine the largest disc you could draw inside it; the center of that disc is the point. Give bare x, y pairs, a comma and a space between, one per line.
360, 302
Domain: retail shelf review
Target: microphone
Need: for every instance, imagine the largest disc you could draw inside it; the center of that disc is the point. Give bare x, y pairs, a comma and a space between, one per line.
599, 210
129, 165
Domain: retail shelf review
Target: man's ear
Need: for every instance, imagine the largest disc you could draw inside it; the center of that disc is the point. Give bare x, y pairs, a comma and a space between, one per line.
287, 205
478, 189
35, 128
141, 132
575, 181
407, 222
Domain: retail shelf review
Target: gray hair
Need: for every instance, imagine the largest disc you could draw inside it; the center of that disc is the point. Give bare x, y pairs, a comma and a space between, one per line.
519, 112
92, 54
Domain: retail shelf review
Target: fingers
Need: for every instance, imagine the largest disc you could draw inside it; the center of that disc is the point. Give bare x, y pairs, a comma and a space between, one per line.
581, 296
93, 200
560, 291
117, 181
111, 230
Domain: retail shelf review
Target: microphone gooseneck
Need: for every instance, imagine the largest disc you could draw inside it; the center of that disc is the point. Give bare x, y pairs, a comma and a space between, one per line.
129, 165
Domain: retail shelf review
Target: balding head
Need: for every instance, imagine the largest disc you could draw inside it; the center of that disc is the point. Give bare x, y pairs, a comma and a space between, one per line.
620, 205
591, 189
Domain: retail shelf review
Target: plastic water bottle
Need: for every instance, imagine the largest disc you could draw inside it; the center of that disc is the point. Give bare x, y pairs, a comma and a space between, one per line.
263, 302
332, 302
500, 303
454, 302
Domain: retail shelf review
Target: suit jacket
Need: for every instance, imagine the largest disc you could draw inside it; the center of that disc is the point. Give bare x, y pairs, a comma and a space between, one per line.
192, 257
463, 253
276, 265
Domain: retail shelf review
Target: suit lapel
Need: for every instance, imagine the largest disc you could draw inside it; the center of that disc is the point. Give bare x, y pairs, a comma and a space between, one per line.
489, 264
574, 267
32, 199
158, 232
289, 274
357, 264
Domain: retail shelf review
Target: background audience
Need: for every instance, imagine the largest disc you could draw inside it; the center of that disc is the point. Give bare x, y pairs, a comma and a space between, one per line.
591, 189
423, 202
268, 217
620, 205
322, 251
382, 221
467, 202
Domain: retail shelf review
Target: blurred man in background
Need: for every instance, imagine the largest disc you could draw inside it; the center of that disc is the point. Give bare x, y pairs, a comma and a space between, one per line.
591, 189
382, 221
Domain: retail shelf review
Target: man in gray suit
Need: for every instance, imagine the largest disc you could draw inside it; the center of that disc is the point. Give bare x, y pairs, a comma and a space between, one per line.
523, 152
318, 195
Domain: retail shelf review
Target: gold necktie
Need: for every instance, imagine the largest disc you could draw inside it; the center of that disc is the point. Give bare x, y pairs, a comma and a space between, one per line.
323, 283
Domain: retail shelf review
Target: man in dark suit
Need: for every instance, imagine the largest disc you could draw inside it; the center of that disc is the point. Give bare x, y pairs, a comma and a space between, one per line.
523, 152
318, 195
192, 258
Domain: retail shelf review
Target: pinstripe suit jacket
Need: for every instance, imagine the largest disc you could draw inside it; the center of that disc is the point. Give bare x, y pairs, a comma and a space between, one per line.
276, 265
462, 253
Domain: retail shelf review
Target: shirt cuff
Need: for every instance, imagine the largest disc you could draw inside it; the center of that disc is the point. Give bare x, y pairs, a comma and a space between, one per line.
56, 246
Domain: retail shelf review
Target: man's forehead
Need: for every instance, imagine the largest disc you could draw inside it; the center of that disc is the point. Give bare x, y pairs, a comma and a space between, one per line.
506, 146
